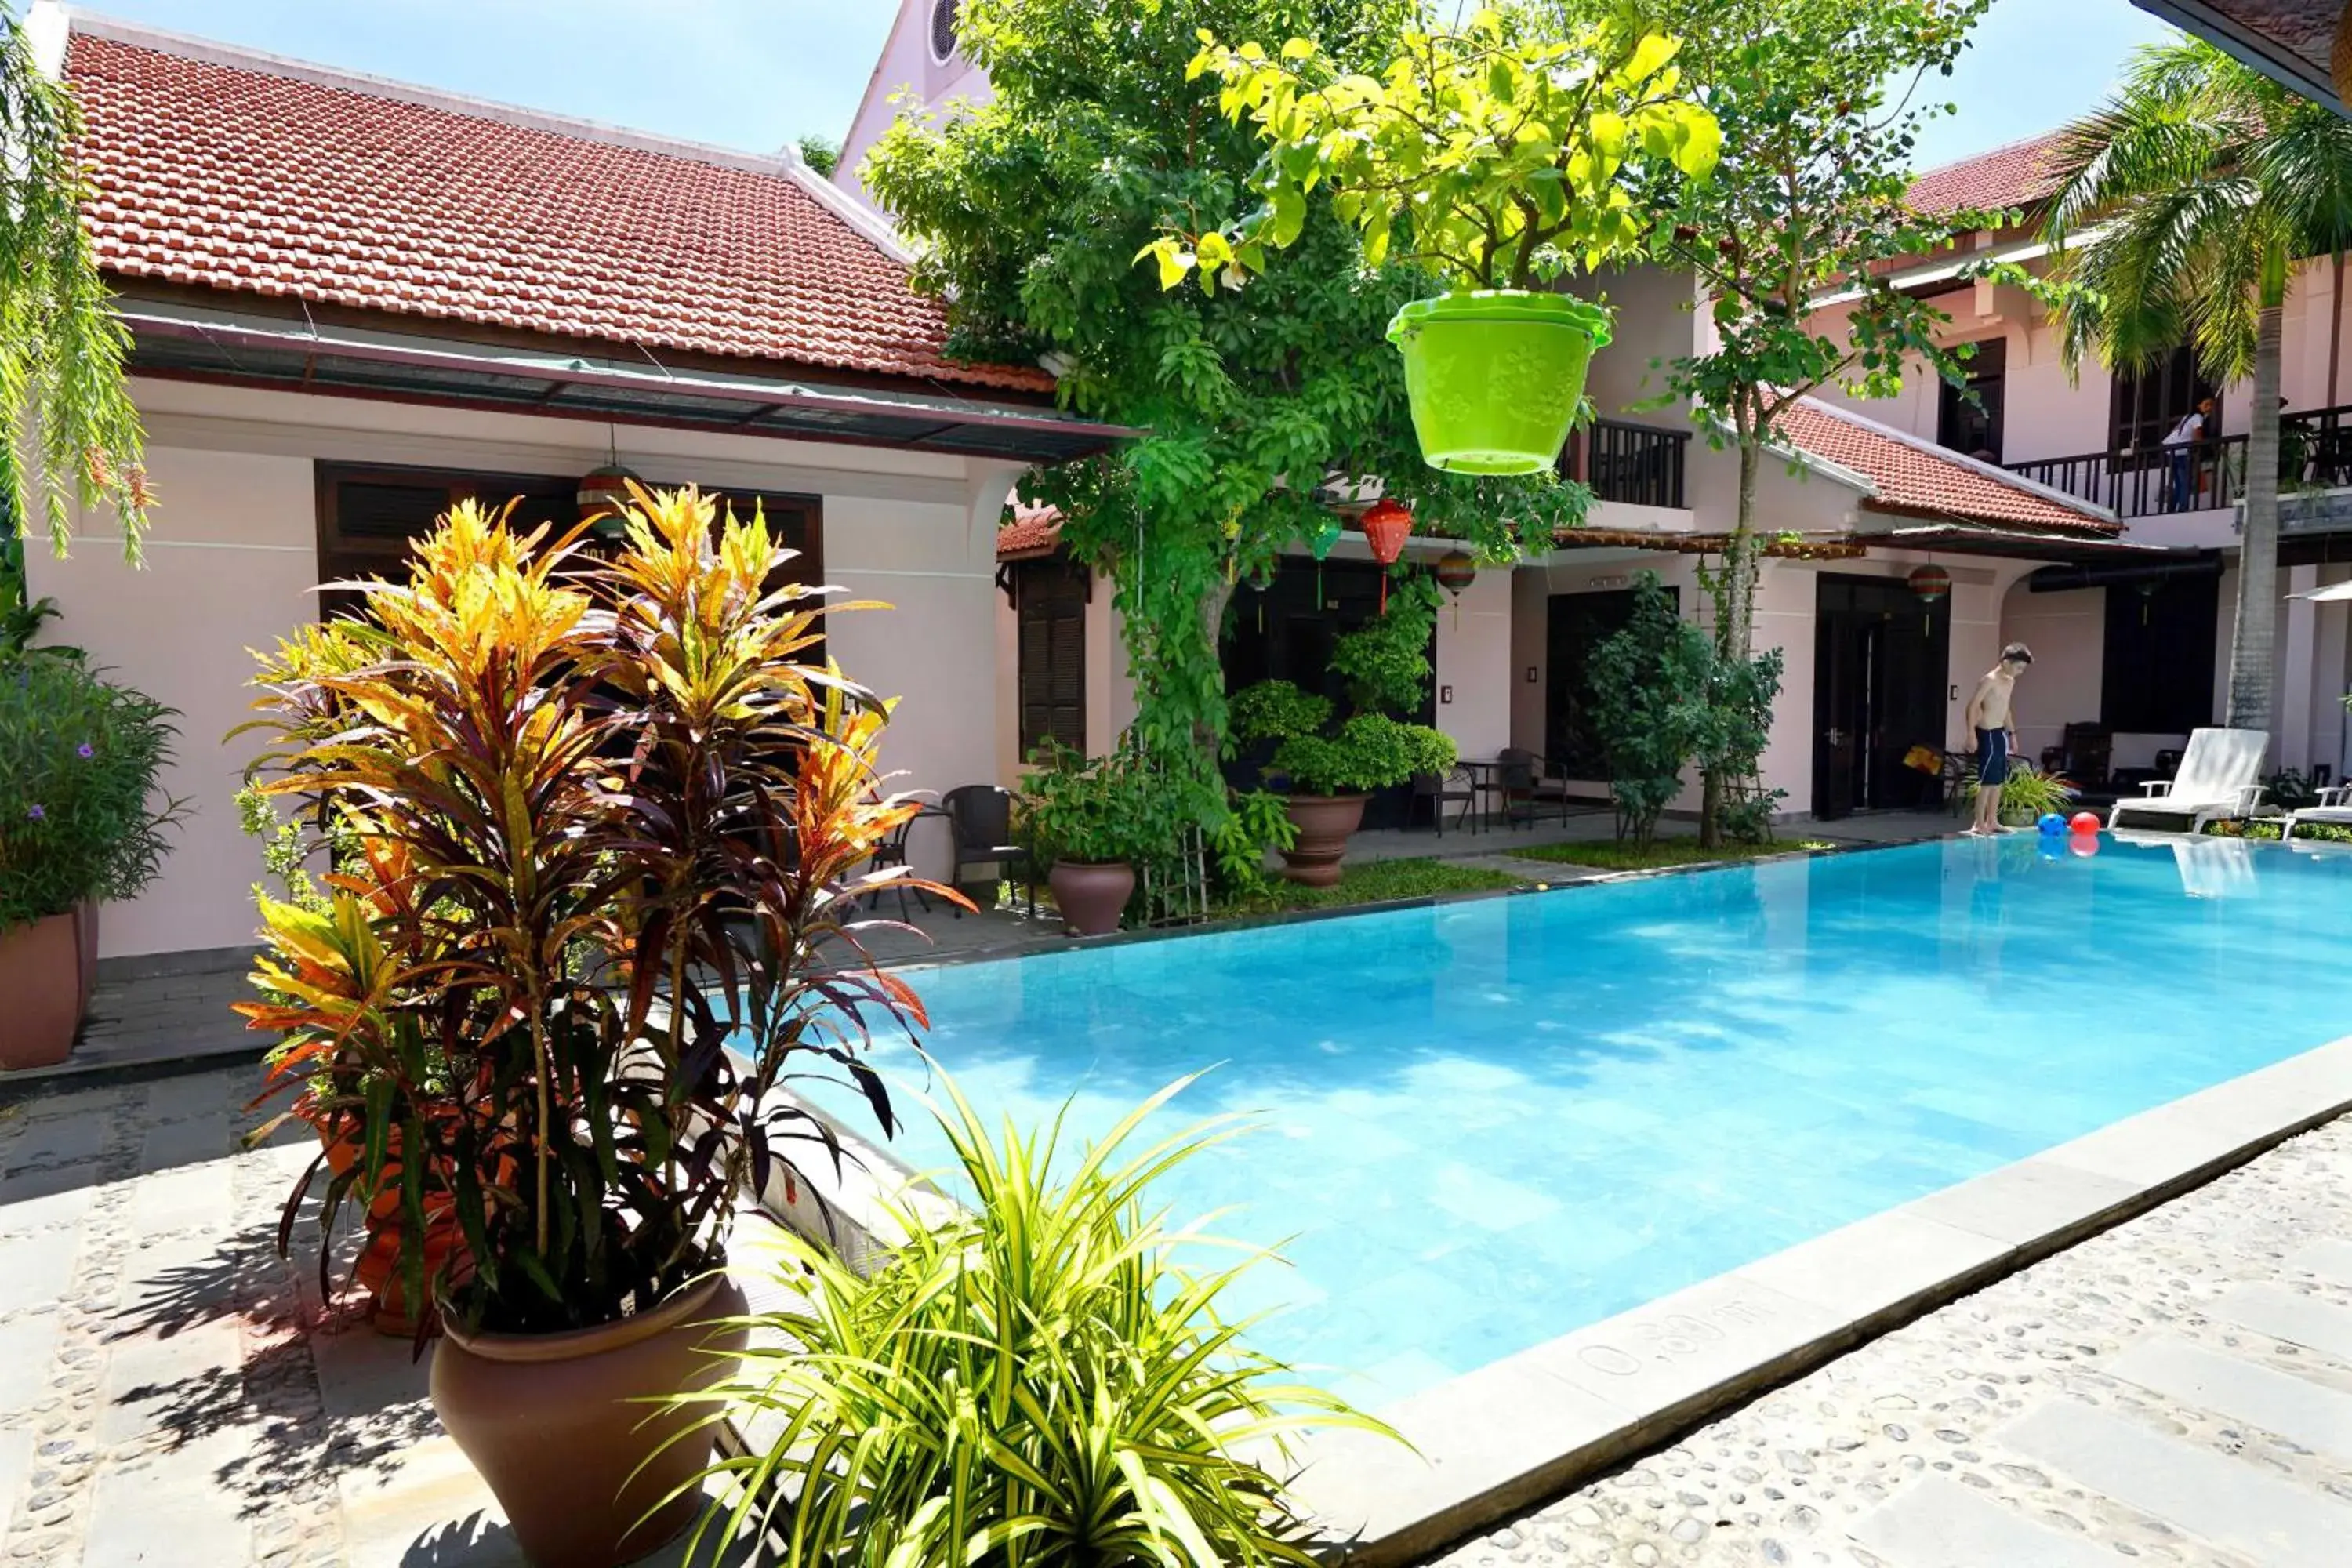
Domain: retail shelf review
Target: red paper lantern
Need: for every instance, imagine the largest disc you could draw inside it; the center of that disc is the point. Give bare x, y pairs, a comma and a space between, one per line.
1931, 582
1385, 524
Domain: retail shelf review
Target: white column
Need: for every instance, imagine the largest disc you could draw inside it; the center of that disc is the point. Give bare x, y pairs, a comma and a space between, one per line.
2298, 630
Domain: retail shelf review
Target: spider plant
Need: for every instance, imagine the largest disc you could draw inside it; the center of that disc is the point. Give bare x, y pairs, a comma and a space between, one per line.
1040, 1382
2030, 794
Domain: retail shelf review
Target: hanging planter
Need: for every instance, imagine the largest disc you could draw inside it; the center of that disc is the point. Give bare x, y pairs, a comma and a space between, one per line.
1386, 525
1495, 375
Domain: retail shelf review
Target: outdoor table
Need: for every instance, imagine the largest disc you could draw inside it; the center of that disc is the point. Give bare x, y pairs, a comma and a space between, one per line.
1486, 781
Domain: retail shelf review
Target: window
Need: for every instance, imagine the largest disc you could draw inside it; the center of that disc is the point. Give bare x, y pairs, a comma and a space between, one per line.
943, 30
367, 516
1969, 419
1049, 601
2156, 678
2145, 405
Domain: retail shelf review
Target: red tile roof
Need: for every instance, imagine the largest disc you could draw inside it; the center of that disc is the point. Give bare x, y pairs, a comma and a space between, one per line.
261, 177
1916, 478
1034, 531
2016, 175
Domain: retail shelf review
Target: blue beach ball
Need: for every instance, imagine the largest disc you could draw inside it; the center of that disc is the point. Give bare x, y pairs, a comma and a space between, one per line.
2052, 824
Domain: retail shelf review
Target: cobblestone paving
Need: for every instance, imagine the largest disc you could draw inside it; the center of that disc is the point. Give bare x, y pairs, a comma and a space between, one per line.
2178, 1391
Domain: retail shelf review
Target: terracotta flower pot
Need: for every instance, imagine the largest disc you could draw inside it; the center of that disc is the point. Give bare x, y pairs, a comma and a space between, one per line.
554, 1424
40, 976
86, 950
1091, 894
1324, 822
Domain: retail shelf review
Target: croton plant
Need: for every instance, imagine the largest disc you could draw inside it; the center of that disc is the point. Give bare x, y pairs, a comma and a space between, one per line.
596, 816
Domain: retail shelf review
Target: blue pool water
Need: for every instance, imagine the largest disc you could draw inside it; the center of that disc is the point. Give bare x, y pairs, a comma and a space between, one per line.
1488, 1124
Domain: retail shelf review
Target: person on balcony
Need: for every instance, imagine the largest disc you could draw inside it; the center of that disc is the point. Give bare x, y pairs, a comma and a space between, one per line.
2180, 447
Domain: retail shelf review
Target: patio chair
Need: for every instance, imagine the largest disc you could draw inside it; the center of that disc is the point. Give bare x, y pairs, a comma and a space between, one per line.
2334, 810
891, 854
1528, 782
2221, 775
981, 816
1439, 788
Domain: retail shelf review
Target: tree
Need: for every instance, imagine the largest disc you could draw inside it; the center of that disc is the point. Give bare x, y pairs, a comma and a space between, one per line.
2182, 206
822, 154
63, 404
1816, 101
1030, 211
1650, 708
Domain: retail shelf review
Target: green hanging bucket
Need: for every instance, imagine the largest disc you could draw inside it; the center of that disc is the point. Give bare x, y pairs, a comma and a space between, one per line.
1495, 375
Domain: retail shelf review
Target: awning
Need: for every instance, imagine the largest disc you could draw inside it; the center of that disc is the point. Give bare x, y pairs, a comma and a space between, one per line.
191, 342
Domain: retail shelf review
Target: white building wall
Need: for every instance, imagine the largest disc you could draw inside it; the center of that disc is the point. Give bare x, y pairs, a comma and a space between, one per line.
1474, 666
232, 559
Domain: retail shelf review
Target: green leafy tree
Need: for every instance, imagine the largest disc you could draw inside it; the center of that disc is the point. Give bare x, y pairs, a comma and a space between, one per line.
821, 154
67, 430
1501, 152
1818, 102
2205, 180
1650, 708
1030, 211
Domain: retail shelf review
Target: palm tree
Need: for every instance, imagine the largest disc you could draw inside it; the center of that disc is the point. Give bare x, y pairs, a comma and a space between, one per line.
2182, 205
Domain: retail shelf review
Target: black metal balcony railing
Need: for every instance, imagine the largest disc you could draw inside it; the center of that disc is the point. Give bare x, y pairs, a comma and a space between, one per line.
1639, 464
2315, 452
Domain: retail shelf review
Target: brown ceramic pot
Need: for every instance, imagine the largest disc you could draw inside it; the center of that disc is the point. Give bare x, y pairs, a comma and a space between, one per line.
1091, 894
40, 979
86, 950
1324, 822
556, 1424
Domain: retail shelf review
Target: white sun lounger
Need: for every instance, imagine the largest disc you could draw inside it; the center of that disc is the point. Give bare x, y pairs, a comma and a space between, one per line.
2332, 810
2220, 775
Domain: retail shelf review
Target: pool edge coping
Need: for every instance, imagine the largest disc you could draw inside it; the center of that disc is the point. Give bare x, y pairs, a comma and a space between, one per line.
1508, 1434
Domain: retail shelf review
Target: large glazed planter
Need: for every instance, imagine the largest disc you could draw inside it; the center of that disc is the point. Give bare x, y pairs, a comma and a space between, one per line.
1091, 894
1324, 822
1495, 375
557, 1424
40, 992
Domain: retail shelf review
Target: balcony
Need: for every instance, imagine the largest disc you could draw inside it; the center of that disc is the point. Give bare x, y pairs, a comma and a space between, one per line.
2314, 453
1639, 465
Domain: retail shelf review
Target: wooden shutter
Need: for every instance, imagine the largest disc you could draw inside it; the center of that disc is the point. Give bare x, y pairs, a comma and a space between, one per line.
1052, 616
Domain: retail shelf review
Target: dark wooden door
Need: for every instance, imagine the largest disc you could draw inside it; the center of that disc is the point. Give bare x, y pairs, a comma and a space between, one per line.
1881, 681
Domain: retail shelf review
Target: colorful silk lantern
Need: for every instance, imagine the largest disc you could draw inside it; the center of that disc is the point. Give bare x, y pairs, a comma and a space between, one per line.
1456, 570
1930, 582
1319, 540
1385, 524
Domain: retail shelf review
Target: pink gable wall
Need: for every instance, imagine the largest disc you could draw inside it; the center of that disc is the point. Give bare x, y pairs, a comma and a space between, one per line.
907, 66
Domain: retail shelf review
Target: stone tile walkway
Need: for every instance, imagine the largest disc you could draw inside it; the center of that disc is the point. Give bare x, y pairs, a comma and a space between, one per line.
2178, 1391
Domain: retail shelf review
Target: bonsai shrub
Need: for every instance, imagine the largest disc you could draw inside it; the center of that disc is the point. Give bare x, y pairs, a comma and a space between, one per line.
1043, 1380
605, 814
1650, 710
1369, 752
79, 816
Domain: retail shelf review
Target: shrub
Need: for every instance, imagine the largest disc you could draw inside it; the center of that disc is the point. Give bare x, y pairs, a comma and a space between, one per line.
1108, 808
1370, 751
1386, 660
1276, 711
79, 819
605, 814
1041, 1380
2030, 794
1650, 709
1257, 822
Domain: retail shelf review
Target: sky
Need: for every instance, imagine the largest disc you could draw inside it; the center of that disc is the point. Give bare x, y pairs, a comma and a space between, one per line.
753, 74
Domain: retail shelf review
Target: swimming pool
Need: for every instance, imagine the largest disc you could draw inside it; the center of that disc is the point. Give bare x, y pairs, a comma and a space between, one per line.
1489, 1123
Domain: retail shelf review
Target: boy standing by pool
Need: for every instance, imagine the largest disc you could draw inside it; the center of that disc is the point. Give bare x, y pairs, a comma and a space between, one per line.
1992, 715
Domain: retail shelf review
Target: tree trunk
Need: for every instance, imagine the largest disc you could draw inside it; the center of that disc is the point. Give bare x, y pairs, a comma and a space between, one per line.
2253, 641
1735, 629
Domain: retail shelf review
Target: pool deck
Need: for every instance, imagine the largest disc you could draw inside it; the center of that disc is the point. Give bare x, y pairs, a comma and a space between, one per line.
2177, 1389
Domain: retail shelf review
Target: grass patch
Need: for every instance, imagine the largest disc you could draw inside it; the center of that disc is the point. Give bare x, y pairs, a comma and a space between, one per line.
1383, 881
1609, 855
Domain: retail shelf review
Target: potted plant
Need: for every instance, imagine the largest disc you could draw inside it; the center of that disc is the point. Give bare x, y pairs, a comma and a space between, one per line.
1089, 822
1501, 157
607, 814
79, 824
1331, 769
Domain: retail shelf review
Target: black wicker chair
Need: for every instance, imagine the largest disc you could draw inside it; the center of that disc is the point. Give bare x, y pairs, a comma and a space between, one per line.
981, 818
